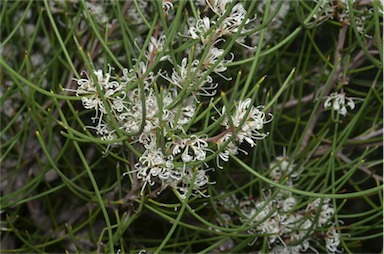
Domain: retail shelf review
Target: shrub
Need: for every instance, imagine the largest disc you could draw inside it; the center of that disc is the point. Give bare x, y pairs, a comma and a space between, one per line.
191, 126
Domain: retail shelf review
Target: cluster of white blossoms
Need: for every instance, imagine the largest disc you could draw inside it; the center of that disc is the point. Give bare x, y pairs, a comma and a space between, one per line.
157, 109
339, 102
288, 226
232, 18
248, 122
112, 100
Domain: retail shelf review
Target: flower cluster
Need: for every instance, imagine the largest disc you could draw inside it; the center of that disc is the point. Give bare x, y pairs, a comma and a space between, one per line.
195, 75
152, 122
154, 167
233, 19
248, 121
288, 226
156, 109
338, 102
198, 82
109, 97
172, 92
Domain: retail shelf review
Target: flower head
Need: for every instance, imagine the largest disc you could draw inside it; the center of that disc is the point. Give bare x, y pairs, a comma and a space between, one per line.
326, 210
233, 21
167, 6
332, 240
189, 75
248, 124
199, 28
155, 46
338, 102
153, 165
218, 6
191, 149
88, 88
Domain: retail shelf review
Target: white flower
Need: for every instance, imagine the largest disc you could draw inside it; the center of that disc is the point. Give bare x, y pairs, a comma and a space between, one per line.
332, 240
167, 6
296, 228
326, 214
201, 179
152, 156
131, 119
218, 6
184, 180
231, 148
188, 75
112, 90
252, 122
288, 204
155, 46
119, 103
266, 218
338, 102
193, 148
153, 165
187, 112
233, 21
141, 70
212, 58
128, 76
326, 210
104, 131
198, 29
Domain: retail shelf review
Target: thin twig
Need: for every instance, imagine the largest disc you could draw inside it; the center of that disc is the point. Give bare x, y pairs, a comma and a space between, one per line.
336, 74
135, 186
356, 62
218, 136
360, 58
294, 102
364, 169
153, 53
365, 2
370, 135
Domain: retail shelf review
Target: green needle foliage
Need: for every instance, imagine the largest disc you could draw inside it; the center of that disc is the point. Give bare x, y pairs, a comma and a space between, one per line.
193, 126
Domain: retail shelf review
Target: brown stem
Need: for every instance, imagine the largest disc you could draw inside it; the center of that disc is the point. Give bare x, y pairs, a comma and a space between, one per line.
218, 136
136, 184
294, 102
364, 169
336, 74
153, 53
356, 62
370, 135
